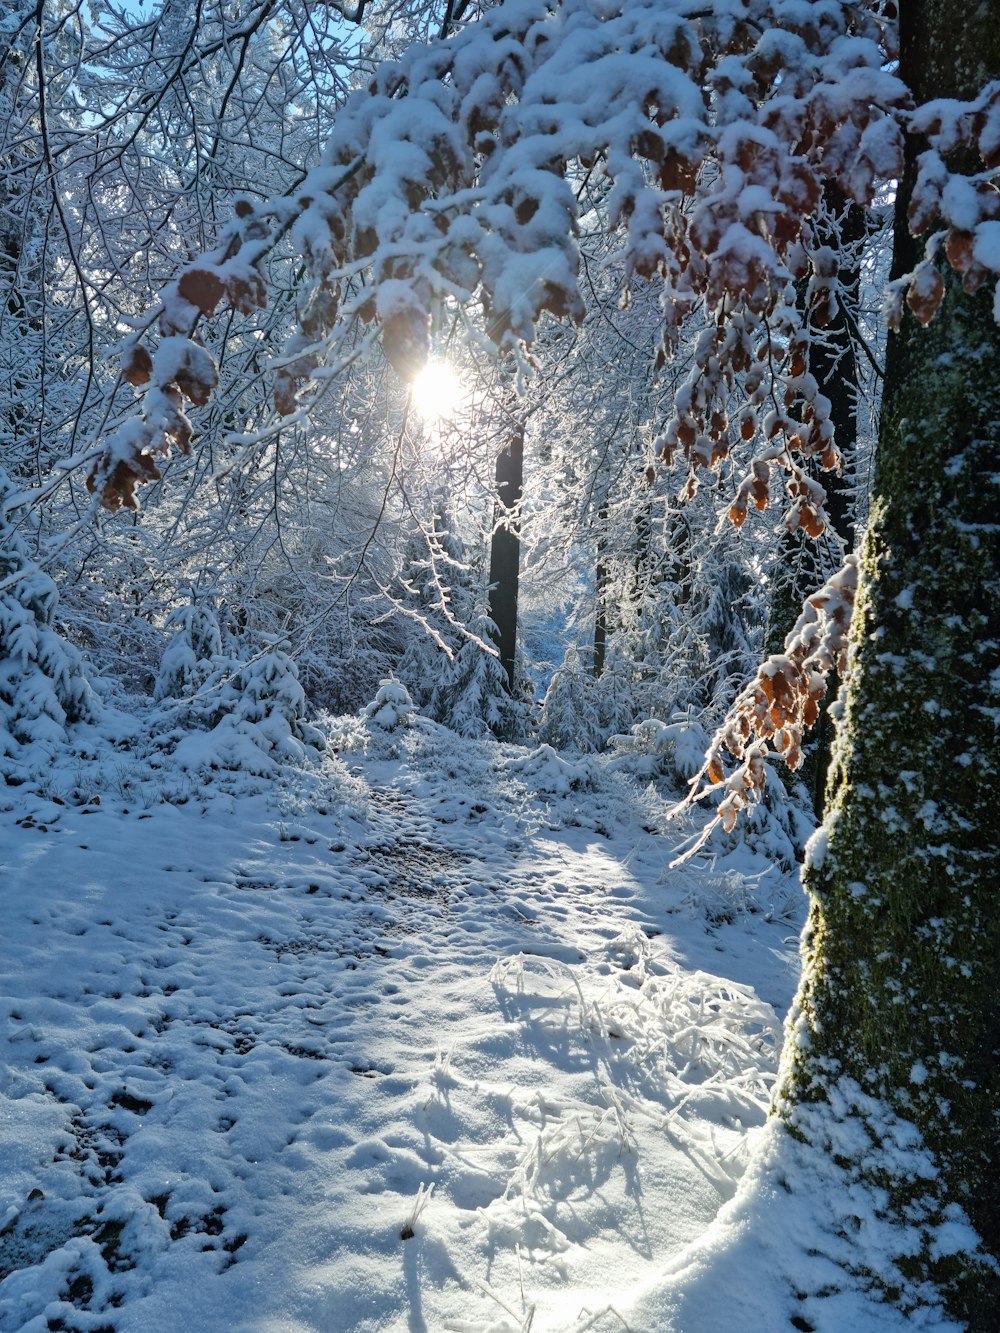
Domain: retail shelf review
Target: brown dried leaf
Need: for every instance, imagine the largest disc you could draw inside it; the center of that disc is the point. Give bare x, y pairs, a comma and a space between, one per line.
285, 401
677, 173
958, 248
926, 292
197, 378
988, 127
203, 288
118, 490
812, 521
137, 366
894, 303
246, 291
182, 433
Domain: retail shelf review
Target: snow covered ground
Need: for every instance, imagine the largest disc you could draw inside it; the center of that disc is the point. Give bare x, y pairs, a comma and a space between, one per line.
399, 1042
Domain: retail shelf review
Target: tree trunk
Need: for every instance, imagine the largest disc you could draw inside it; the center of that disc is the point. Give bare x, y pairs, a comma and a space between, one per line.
601, 594
505, 550
898, 1018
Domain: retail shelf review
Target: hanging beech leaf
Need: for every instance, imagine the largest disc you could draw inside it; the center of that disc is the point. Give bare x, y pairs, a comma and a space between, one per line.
203, 288
137, 366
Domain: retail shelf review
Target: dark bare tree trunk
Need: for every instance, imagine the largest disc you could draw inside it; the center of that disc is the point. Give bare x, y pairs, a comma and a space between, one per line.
898, 1019
505, 550
601, 595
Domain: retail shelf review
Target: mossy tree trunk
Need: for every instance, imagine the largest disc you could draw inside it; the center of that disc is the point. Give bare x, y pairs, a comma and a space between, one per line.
898, 1015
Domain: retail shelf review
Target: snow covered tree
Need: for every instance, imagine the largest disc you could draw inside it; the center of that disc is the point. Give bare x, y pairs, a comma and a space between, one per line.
269, 703
897, 1021
43, 685
251, 715
194, 651
474, 696
392, 193
571, 717
392, 706
254, 710
891, 1065
125, 136
438, 597
505, 551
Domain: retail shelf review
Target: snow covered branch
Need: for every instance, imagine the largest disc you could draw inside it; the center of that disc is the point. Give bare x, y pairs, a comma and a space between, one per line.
773, 713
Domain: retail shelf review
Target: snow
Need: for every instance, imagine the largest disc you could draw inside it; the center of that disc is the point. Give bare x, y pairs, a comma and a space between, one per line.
986, 247
421, 1035
817, 847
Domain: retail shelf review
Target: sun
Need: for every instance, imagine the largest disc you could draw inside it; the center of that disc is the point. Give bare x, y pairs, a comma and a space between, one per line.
436, 391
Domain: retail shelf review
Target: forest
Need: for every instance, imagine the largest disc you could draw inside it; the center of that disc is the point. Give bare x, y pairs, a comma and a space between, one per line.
499, 665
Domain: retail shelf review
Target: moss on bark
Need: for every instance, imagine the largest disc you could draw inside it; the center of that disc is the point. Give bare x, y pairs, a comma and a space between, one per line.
902, 948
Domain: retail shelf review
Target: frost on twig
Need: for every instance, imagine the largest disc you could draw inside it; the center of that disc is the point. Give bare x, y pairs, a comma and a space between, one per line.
773, 713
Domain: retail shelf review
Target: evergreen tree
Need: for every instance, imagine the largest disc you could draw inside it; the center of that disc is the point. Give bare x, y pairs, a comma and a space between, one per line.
474, 698
571, 716
439, 598
194, 653
267, 702
246, 717
43, 684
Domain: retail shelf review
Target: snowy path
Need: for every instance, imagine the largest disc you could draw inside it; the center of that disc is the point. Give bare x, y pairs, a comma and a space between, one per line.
246, 1054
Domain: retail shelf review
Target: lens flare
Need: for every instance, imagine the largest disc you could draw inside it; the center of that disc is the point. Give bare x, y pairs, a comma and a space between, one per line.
436, 391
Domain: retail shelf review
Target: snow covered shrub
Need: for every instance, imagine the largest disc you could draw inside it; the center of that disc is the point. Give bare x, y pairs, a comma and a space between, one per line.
383, 721
194, 653
391, 708
674, 750
615, 692
546, 771
474, 697
43, 685
270, 699
258, 714
776, 827
721, 897
571, 718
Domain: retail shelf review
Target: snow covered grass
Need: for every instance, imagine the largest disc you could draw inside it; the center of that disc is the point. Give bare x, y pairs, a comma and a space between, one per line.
406, 1039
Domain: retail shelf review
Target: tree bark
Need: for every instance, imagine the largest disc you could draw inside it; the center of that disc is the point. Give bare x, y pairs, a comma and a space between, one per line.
601, 594
898, 1015
505, 550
